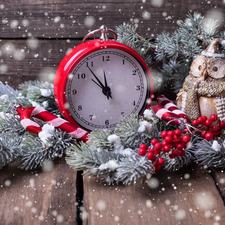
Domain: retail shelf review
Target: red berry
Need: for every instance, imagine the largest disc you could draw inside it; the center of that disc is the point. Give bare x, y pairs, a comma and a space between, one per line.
166, 148
204, 118
156, 168
215, 128
163, 134
222, 124
171, 155
186, 138
142, 151
154, 141
151, 156
182, 153
176, 153
158, 146
209, 136
164, 143
213, 117
161, 161
170, 133
144, 146
195, 123
175, 137
178, 132
151, 150
203, 134
168, 139
200, 120
208, 122
179, 146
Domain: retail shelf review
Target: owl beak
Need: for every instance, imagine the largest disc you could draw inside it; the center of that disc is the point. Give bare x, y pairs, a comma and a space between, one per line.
205, 74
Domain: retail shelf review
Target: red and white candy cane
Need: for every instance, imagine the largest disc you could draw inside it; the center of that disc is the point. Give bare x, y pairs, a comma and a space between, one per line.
166, 115
40, 113
167, 104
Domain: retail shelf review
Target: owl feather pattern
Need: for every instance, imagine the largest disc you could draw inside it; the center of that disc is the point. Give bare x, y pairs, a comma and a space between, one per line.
203, 91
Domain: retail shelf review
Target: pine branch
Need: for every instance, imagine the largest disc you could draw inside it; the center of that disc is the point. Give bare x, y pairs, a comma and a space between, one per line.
40, 93
133, 168
205, 154
178, 162
34, 154
99, 139
10, 123
127, 130
9, 147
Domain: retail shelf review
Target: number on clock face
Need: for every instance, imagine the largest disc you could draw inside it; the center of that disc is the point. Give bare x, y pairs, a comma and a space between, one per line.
104, 86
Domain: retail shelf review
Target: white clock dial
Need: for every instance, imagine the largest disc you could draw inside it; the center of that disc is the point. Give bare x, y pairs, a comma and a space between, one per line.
104, 86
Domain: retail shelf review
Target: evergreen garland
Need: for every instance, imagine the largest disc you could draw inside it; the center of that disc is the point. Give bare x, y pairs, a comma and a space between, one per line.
176, 51
112, 156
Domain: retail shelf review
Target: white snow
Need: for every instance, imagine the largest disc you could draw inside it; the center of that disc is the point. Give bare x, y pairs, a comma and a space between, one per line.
111, 165
45, 92
4, 97
118, 147
148, 114
216, 146
145, 127
46, 133
45, 104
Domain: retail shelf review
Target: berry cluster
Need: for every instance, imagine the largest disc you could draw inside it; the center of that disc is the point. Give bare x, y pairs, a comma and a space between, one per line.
174, 144
207, 127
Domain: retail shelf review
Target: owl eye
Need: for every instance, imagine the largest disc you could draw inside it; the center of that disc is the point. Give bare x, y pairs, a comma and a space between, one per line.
200, 67
215, 69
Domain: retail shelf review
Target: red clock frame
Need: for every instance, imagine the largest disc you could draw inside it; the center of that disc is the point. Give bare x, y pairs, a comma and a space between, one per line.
70, 61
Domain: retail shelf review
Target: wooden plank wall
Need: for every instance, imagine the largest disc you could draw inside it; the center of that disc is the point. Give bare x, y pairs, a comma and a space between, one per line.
35, 35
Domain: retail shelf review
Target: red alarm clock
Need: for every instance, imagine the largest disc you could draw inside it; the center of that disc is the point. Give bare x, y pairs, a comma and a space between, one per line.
101, 80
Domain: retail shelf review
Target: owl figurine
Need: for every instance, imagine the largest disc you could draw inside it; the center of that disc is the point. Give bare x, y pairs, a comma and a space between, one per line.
203, 92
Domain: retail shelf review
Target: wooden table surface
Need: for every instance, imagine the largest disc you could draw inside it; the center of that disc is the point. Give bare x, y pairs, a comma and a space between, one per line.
60, 195
34, 37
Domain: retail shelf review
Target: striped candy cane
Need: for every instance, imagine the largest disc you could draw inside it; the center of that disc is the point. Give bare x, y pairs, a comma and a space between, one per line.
166, 115
40, 113
167, 104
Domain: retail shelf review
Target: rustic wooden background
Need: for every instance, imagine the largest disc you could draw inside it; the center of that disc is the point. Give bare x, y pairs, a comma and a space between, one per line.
35, 36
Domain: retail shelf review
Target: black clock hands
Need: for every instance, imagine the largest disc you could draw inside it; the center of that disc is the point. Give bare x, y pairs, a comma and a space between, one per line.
105, 88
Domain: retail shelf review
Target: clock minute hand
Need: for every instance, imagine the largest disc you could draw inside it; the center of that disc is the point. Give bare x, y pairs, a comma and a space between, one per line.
99, 82
106, 90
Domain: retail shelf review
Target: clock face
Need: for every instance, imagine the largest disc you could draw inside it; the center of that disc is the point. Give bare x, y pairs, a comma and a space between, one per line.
105, 85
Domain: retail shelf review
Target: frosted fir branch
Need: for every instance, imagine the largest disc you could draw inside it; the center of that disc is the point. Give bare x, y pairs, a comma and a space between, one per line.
87, 158
40, 93
127, 34
9, 148
205, 153
10, 123
127, 169
34, 154
133, 168
99, 139
5, 89
128, 131
178, 162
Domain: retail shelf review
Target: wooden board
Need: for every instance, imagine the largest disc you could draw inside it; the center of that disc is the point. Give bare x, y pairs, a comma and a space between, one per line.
188, 197
24, 60
37, 197
73, 19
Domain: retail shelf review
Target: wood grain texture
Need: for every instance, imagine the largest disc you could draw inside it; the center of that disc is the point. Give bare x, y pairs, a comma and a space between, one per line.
23, 60
37, 197
176, 200
73, 19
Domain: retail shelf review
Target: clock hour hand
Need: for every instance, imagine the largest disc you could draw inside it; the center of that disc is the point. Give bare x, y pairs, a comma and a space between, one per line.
106, 90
